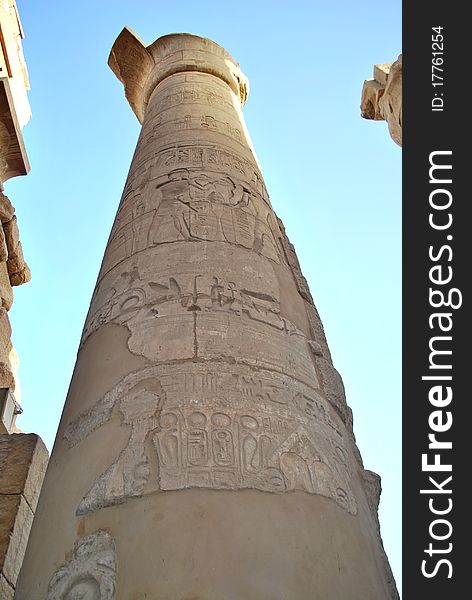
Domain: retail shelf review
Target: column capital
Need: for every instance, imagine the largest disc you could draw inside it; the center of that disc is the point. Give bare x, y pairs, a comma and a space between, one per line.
141, 68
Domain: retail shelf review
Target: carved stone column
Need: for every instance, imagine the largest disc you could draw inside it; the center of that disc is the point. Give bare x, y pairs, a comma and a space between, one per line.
206, 448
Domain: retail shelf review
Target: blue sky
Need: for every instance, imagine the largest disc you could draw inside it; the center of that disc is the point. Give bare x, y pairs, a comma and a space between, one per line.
334, 179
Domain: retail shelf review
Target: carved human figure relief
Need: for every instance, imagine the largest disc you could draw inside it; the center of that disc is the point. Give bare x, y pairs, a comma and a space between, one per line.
220, 429
138, 407
89, 574
188, 204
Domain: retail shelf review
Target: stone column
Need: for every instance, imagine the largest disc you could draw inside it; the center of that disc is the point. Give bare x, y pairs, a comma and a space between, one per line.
206, 448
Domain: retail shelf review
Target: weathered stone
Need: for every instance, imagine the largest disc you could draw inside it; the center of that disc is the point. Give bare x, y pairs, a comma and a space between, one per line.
204, 403
5, 334
6, 590
90, 573
6, 293
21, 277
14, 107
8, 509
391, 101
7, 379
373, 489
333, 388
381, 73
12, 236
6, 209
17, 268
3, 245
382, 97
14, 360
24, 459
16, 518
370, 104
305, 413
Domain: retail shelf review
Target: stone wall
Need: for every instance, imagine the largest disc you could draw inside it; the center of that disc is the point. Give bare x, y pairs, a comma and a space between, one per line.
14, 114
13, 271
23, 461
23, 457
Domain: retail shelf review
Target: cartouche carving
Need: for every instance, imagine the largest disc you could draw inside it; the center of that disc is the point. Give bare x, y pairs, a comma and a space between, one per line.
220, 429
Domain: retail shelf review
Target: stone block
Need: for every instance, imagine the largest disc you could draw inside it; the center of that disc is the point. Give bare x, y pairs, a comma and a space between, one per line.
24, 459
16, 518
8, 509
382, 97
381, 73
371, 94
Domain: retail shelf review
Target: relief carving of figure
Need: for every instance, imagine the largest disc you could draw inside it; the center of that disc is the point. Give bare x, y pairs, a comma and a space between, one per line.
196, 206
128, 475
193, 205
90, 573
190, 205
221, 432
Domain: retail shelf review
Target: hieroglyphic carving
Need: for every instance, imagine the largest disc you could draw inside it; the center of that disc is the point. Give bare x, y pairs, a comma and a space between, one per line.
188, 121
221, 428
202, 313
190, 205
140, 300
184, 156
208, 157
90, 573
211, 309
189, 94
